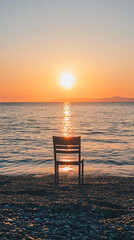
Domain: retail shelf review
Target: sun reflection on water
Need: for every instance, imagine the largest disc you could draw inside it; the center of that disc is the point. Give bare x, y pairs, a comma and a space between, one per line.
67, 131
65, 169
67, 123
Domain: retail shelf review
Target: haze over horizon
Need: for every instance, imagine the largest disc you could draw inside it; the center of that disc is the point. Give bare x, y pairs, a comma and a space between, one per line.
86, 99
40, 40
81, 99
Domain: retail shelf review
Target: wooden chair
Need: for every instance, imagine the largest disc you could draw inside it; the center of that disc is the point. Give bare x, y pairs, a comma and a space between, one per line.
68, 145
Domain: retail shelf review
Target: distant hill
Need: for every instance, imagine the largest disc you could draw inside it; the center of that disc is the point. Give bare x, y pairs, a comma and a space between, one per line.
112, 99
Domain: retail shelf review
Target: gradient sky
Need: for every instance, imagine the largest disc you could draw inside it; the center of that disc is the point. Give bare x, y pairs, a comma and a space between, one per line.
93, 39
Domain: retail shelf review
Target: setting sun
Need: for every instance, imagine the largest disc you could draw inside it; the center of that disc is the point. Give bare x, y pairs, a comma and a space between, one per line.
66, 80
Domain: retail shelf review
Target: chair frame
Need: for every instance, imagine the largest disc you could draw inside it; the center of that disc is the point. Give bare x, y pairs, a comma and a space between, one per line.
68, 145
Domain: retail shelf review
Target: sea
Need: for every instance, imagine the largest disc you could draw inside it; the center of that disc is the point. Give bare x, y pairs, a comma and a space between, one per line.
106, 130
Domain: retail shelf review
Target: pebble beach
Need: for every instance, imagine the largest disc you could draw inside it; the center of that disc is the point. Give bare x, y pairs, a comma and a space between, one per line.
32, 208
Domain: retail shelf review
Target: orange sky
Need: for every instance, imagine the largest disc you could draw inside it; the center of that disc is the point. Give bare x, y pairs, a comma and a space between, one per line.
93, 42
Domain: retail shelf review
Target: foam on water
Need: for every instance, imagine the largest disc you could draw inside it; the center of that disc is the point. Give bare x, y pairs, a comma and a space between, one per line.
107, 131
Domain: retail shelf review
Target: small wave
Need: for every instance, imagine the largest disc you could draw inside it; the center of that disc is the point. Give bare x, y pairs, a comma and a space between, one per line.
110, 162
5, 157
126, 130
94, 133
123, 123
21, 139
106, 140
4, 117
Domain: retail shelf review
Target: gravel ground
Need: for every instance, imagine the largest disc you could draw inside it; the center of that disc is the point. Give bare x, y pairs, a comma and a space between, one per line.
32, 208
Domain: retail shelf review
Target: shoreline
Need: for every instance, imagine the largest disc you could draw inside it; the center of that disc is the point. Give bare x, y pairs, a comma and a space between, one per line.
32, 208
90, 169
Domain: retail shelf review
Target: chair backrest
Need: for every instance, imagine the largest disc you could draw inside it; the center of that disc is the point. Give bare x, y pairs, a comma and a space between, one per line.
67, 145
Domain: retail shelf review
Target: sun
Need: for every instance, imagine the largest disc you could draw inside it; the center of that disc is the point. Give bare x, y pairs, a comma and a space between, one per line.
66, 80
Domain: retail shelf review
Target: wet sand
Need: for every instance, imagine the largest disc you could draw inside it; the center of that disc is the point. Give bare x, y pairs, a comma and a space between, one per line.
32, 208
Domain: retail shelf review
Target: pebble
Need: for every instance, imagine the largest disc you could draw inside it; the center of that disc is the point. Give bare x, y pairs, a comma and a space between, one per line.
37, 219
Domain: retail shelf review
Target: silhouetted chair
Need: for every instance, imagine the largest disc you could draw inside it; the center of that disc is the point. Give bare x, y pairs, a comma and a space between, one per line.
68, 145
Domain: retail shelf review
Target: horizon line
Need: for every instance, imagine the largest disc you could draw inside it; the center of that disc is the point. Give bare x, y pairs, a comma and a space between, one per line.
113, 99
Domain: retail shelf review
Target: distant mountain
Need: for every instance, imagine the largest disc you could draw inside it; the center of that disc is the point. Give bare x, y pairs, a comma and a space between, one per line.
80, 99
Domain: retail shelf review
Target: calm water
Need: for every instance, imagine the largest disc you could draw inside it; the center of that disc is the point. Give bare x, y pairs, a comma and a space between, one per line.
107, 131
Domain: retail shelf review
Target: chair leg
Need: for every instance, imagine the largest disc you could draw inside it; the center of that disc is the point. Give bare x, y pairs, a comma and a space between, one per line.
82, 171
55, 175
79, 174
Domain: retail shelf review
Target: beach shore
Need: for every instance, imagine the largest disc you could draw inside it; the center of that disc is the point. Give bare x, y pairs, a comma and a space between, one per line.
32, 208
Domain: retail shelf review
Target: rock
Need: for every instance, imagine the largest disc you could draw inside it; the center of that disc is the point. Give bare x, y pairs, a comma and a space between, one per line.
6, 205
37, 219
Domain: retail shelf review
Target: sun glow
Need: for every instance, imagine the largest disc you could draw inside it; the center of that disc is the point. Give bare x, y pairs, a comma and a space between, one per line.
67, 80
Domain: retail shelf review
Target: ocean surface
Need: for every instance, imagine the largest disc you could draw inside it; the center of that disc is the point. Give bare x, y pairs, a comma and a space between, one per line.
106, 129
